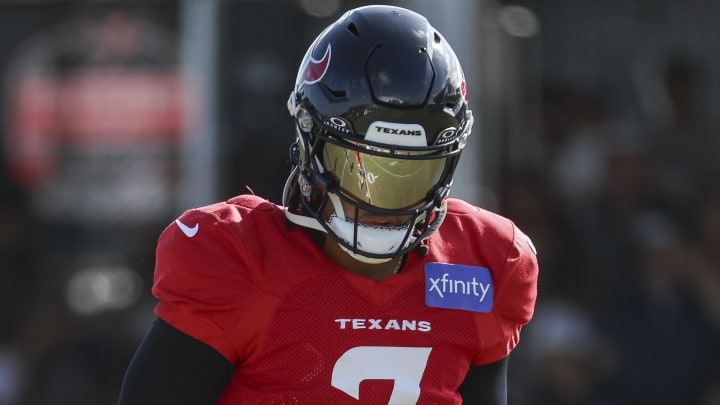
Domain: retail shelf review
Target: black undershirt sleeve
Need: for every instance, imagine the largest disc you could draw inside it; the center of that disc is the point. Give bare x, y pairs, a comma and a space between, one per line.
170, 367
486, 384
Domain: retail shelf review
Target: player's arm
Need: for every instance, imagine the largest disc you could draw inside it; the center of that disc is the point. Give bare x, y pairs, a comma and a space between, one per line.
171, 367
486, 384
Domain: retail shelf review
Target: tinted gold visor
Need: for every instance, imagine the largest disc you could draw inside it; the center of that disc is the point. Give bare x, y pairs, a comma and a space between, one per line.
382, 181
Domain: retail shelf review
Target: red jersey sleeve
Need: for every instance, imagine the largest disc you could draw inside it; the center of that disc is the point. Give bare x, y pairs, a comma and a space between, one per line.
518, 290
477, 237
201, 278
516, 293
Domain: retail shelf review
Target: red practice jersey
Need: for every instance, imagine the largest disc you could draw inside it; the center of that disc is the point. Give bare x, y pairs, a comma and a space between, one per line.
302, 330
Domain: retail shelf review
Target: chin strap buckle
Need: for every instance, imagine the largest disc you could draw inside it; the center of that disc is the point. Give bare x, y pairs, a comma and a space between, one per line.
295, 154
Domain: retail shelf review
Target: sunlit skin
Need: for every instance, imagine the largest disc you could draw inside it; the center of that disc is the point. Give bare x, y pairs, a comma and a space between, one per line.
376, 272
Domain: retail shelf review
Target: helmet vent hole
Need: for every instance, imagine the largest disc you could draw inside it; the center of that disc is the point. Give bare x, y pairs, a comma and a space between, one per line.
437, 38
335, 93
353, 29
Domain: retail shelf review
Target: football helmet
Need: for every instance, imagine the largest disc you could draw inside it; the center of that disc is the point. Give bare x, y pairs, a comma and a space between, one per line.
381, 111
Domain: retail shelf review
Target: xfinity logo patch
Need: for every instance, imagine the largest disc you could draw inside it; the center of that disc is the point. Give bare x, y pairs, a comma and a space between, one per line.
394, 133
457, 286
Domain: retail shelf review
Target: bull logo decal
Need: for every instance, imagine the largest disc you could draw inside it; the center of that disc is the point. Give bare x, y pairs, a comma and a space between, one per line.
315, 69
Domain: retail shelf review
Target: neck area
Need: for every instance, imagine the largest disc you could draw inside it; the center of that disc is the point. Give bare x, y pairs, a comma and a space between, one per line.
373, 271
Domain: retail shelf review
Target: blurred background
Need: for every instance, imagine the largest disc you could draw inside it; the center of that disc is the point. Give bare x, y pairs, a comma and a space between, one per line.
597, 132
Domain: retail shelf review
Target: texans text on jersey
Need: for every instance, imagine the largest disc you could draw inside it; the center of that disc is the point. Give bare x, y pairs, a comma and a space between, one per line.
383, 324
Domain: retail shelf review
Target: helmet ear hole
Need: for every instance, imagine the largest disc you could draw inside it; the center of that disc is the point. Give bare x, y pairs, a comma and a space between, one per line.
305, 121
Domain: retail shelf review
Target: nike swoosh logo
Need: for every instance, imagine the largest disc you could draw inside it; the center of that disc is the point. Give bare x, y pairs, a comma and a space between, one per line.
188, 231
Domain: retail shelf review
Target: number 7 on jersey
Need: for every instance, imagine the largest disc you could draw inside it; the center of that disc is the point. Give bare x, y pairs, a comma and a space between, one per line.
404, 365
